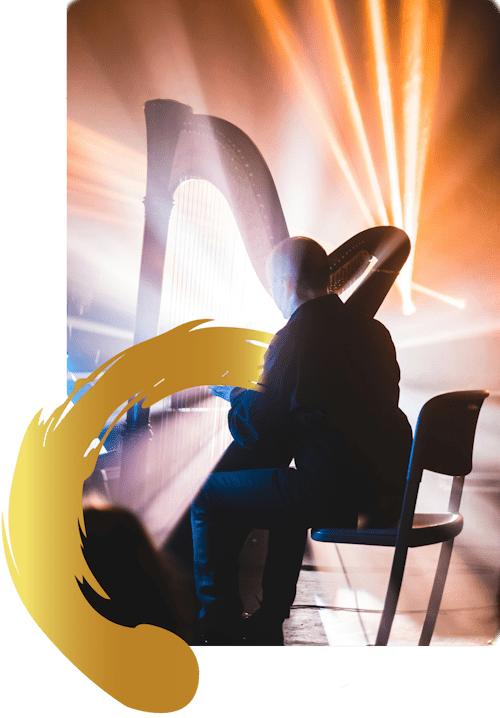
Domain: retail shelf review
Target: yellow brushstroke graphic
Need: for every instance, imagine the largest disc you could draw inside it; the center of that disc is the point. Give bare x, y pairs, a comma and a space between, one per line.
146, 668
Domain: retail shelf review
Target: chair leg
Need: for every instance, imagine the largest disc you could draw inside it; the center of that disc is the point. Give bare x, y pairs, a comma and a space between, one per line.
436, 593
392, 597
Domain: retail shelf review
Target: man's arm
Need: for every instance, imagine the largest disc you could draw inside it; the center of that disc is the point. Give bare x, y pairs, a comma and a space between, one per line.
263, 416
245, 415
224, 392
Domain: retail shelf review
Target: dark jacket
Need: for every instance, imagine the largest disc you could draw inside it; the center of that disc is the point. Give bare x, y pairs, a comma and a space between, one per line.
330, 400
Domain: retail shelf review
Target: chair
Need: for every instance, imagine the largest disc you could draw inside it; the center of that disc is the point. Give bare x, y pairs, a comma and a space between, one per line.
443, 443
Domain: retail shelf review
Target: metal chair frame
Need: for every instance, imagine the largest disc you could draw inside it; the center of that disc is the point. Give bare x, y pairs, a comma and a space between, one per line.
443, 444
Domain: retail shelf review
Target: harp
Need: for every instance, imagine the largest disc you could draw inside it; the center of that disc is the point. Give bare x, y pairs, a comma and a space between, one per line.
184, 148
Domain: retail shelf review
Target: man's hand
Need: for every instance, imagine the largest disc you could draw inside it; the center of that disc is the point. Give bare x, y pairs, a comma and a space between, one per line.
223, 391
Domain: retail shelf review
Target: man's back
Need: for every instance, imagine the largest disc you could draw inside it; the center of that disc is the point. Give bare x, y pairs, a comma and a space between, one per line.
330, 401
331, 377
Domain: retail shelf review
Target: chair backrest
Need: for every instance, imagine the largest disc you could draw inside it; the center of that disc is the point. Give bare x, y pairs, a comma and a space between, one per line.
443, 442
445, 431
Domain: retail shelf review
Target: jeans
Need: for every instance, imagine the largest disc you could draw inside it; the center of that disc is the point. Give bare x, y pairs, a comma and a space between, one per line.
228, 507
242, 494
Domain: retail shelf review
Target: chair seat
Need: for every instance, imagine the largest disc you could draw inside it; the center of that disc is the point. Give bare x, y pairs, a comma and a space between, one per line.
426, 529
442, 444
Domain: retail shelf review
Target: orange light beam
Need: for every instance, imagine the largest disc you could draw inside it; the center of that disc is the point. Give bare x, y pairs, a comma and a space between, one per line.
285, 42
477, 330
422, 35
79, 210
127, 180
432, 38
459, 303
86, 143
413, 14
102, 171
327, 12
413, 31
99, 191
377, 22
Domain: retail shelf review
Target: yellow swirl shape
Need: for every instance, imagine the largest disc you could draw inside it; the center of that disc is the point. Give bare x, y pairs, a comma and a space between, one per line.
146, 668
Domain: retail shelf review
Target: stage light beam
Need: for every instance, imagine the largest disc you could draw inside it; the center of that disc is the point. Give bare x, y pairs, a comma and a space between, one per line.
378, 28
284, 41
422, 43
459, 303
339, 61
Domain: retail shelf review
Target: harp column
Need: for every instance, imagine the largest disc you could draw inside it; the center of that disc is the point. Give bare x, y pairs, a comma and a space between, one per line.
164, 122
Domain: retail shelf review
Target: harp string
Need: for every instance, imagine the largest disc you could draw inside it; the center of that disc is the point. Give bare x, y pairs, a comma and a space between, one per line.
207, 274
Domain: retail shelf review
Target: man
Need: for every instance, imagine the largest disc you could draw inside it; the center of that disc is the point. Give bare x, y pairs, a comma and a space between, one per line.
329, 401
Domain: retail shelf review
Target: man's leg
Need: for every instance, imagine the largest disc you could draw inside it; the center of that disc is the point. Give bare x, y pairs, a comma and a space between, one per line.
286, 545
285, 552
216, 548
228, 505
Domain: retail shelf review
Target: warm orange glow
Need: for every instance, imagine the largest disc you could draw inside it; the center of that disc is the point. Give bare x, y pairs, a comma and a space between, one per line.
422, 35
377, 23
106, 182
85, 187
117, 158
413, 30
340, 67
459, 303
284, 40
105, 178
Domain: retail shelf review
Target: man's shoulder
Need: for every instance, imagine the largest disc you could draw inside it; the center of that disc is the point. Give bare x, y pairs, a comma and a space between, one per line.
326, 308
369, 324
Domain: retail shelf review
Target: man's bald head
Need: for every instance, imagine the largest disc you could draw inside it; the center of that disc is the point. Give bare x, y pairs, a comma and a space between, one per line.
298, 266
